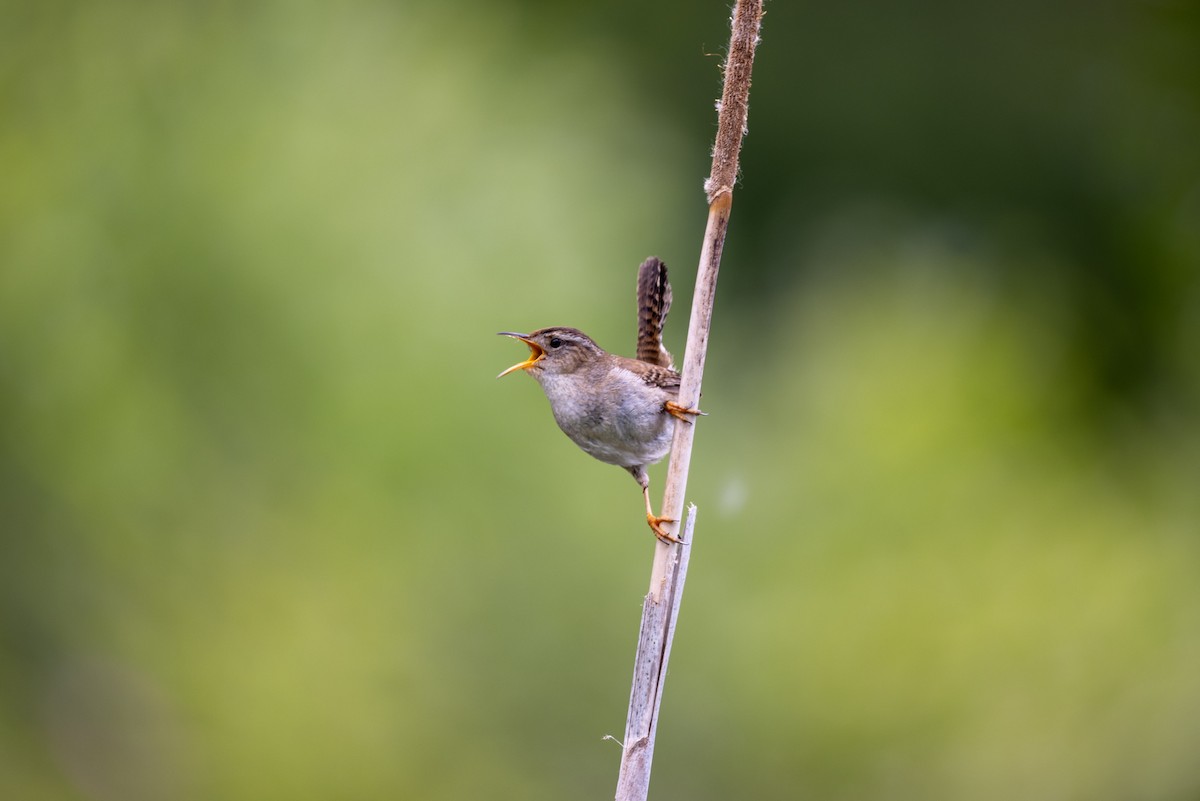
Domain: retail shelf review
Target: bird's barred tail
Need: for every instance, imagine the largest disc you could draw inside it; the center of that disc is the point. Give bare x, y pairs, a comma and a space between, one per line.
654, 301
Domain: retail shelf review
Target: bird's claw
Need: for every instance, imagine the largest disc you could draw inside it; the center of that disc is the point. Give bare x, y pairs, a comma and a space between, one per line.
656, 526
681, 412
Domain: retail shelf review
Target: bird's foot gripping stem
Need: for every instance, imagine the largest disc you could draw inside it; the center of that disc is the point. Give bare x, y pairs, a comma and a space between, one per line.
656, 522
680, 412
660, 532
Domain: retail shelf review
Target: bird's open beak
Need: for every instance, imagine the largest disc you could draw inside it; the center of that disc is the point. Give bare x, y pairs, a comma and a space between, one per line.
536, 354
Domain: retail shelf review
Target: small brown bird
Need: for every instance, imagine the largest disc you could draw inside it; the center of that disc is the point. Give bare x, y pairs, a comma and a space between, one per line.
616, 409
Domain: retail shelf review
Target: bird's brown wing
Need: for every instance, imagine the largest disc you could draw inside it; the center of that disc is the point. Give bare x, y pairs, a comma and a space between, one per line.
654, 301
663, 377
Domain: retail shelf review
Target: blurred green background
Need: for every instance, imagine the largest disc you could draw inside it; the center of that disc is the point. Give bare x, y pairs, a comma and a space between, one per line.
271, 529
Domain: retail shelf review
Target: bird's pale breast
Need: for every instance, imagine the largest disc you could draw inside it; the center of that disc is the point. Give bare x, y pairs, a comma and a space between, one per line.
624, 424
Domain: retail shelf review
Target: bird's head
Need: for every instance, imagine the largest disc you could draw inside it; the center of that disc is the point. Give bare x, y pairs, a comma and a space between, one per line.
554, 351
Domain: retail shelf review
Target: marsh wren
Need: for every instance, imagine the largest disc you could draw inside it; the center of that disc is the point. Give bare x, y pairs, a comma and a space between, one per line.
617, 409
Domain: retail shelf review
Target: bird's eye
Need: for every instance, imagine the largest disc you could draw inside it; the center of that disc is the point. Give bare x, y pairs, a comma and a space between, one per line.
555, 342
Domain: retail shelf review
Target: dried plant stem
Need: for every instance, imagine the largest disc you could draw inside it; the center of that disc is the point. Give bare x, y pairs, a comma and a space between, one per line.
661, 606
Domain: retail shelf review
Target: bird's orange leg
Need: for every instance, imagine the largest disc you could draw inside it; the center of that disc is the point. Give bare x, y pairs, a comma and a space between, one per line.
680, 412
656, 522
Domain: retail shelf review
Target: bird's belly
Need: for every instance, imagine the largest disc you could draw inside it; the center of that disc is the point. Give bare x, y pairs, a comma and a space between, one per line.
624, 424
625, 434
625, 445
